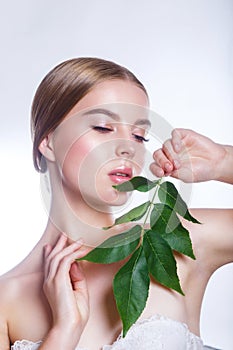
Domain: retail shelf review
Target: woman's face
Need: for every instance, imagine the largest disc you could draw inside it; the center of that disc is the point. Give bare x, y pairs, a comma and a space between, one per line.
101, 143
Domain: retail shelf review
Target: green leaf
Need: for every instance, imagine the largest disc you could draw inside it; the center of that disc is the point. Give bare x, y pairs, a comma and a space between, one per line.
160, 259
169, 195
165, 221
115, 248
150, 252
131, 285
135, 214
138, 183
163, 216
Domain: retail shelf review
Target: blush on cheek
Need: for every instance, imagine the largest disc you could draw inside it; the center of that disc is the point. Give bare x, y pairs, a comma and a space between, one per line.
77, 154
72, 163
80, 150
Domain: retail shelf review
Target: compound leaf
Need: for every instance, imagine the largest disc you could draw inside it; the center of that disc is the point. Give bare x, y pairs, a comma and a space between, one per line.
150, 251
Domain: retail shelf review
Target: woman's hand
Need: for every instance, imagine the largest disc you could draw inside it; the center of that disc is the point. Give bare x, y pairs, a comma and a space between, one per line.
192, 157
66, 290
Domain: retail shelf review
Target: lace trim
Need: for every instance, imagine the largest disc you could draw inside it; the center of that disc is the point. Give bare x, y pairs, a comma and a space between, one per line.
165, 319
29, 345
192, 341
25, 345
138, 332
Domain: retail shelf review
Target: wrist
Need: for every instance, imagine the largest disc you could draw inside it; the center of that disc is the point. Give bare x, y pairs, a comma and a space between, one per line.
224, 170
61, 338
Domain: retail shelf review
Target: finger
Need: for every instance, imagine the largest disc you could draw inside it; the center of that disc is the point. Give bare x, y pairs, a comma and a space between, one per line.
76, 273
63, 274
63, 258
80, 289
50, 252
79, 284
162, 160
156, 170
59, 246
172, 156
77, 276
176, 140
181, 139
46, 251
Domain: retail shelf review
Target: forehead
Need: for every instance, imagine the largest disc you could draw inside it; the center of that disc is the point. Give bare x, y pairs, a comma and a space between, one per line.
112, 92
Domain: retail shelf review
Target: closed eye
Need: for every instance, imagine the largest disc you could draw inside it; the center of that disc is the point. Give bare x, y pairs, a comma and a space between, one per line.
101, 129
140, 138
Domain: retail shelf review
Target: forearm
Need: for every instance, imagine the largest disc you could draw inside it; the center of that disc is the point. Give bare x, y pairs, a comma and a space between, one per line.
224, 172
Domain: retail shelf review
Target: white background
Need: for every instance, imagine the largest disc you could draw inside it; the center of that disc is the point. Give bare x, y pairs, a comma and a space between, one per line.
182, 50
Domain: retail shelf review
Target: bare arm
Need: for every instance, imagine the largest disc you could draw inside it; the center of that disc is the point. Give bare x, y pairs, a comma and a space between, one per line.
214, 237
4, 337
225, 173
192, 157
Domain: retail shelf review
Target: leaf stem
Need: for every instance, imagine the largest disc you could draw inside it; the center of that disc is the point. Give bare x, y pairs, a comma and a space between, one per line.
150, 206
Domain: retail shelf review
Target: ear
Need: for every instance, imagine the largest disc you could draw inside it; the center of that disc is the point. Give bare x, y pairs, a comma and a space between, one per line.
46, 148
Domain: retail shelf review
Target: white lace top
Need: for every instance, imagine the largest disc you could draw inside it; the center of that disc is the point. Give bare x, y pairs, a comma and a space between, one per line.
157, 332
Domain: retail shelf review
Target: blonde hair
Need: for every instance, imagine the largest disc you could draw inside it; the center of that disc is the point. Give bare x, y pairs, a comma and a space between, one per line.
62, 88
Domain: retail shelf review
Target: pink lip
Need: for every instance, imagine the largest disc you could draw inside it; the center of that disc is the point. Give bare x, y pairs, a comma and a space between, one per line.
120, 175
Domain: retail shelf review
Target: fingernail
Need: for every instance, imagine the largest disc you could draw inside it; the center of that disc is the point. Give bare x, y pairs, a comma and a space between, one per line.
176, 163
177, 147
79, 241
160, 173
167, 166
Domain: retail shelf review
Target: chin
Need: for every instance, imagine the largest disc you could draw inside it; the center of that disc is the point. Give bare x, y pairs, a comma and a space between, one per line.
114, 198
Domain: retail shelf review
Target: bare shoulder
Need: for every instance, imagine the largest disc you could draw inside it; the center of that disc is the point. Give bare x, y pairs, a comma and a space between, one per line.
8, 287
213, 238
16, 292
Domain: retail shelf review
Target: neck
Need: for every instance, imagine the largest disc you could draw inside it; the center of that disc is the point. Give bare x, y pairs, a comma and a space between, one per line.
75, 216
79, 220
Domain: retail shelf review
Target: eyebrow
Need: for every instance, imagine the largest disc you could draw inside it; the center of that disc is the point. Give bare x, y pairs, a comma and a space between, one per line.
103, 111
115, 116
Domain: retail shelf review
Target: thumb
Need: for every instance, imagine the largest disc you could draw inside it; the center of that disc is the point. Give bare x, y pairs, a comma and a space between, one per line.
76, 275
181, 138
177, 136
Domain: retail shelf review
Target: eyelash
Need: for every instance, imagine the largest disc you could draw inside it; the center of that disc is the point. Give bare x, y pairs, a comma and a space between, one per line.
140, 138
103, 130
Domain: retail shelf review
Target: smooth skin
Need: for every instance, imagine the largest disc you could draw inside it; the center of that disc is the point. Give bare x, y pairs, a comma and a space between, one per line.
50, 297
192, 157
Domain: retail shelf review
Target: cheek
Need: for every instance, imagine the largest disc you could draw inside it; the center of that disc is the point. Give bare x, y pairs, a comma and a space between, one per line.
139, 160
74, 159
80, 150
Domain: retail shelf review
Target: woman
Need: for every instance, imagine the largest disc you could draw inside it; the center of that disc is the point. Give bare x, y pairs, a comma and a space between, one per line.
89, 123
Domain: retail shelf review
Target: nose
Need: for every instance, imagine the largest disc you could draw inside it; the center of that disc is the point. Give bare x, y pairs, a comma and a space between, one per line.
125, 149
